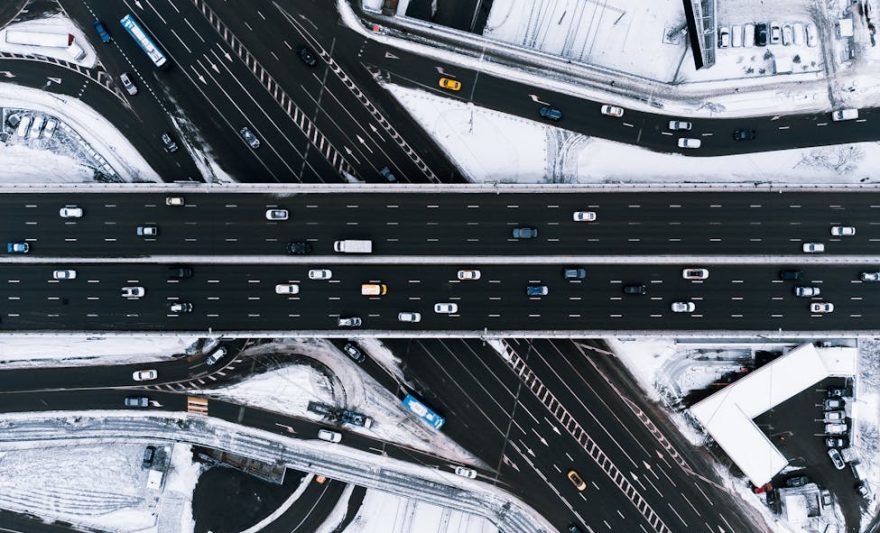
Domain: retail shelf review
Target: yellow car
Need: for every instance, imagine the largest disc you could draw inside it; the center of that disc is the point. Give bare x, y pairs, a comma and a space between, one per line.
576, 480
452, 85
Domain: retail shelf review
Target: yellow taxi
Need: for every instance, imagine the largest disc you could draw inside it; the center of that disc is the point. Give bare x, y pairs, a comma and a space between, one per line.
452, 85
576, 480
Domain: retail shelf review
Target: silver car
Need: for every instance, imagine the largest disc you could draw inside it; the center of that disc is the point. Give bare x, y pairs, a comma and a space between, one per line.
147, 231
276, 214
683, 307
64, 274
807, 292
249, 137
408, 316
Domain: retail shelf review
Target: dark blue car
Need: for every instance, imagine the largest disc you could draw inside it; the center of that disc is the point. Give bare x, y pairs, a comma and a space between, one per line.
102, 32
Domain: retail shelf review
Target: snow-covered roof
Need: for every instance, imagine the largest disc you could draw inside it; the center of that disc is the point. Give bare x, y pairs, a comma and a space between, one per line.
727, 415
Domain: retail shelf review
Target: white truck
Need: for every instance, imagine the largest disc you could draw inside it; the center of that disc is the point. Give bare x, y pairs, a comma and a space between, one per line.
353, 247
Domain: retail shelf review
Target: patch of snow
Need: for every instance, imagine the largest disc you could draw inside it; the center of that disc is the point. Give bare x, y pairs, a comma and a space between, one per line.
382, 512
24, 351
490, 146
96, 132
20, 164
866, 432
97, 486
174, 507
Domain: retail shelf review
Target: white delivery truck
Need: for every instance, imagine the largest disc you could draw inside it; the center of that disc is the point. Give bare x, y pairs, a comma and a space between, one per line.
353, 247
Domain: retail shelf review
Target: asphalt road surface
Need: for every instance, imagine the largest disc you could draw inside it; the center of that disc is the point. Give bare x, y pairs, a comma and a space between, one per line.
244, 297
715, 223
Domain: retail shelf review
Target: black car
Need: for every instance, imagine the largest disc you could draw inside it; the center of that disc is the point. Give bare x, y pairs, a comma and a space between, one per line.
180, 272
634, 289
760, 34
149, 456
835, 442
836, 392
299, 248
799, 481
354, 352
308, 56
574, 273
791, 275
744, 135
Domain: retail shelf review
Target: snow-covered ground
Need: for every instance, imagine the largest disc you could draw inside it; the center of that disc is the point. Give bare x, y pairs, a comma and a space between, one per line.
101, 486
21, 351
86, 139
490, 146
867, 423
289, 388
382, 512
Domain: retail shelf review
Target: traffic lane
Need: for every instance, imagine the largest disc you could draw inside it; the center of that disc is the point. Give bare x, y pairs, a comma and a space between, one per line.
465, 383
647, 129
551, 454
193, 52
409, 224
636, 456
243, 296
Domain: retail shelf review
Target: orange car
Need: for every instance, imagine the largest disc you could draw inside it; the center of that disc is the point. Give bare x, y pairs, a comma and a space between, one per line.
452, 85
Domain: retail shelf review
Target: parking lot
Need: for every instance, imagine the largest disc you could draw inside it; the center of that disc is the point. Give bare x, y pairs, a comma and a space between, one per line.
797, 428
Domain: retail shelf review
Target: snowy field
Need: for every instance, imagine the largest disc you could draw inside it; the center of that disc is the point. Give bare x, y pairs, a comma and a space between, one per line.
99, 486
490, 146
22, 351
382, 512
288, 390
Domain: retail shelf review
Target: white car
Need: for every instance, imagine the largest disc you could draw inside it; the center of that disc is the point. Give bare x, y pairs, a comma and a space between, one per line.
686, 142
129, 86
723, 37
775, 33
329, 436
843, 231
147, 231
277, 214
174, 200
835, 429
807, 292
821, 307
469, 473
870, 276
813, 247
145, 375
286, 288
181, 307
612, 111
787, 35
468, 275
835, 416
71, 211
584, 216
133, 292
812, 35
407, 316
320, 273
446, 308
695, 273
680, 125
683, 307
64, 274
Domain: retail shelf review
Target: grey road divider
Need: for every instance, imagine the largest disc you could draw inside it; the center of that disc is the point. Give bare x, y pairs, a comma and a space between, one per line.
345, 464
485, 334
509, 260
185, 187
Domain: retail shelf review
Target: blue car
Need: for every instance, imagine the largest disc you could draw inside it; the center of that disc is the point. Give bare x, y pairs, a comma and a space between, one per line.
550, 113
18, 247
102, 32
537, 290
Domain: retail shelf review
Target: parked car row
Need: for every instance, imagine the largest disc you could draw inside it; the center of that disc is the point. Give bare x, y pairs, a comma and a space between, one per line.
762, 34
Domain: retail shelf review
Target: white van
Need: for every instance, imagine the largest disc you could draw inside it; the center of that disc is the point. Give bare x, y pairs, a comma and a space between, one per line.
36, 128
353, 247
23, 126
845, 114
